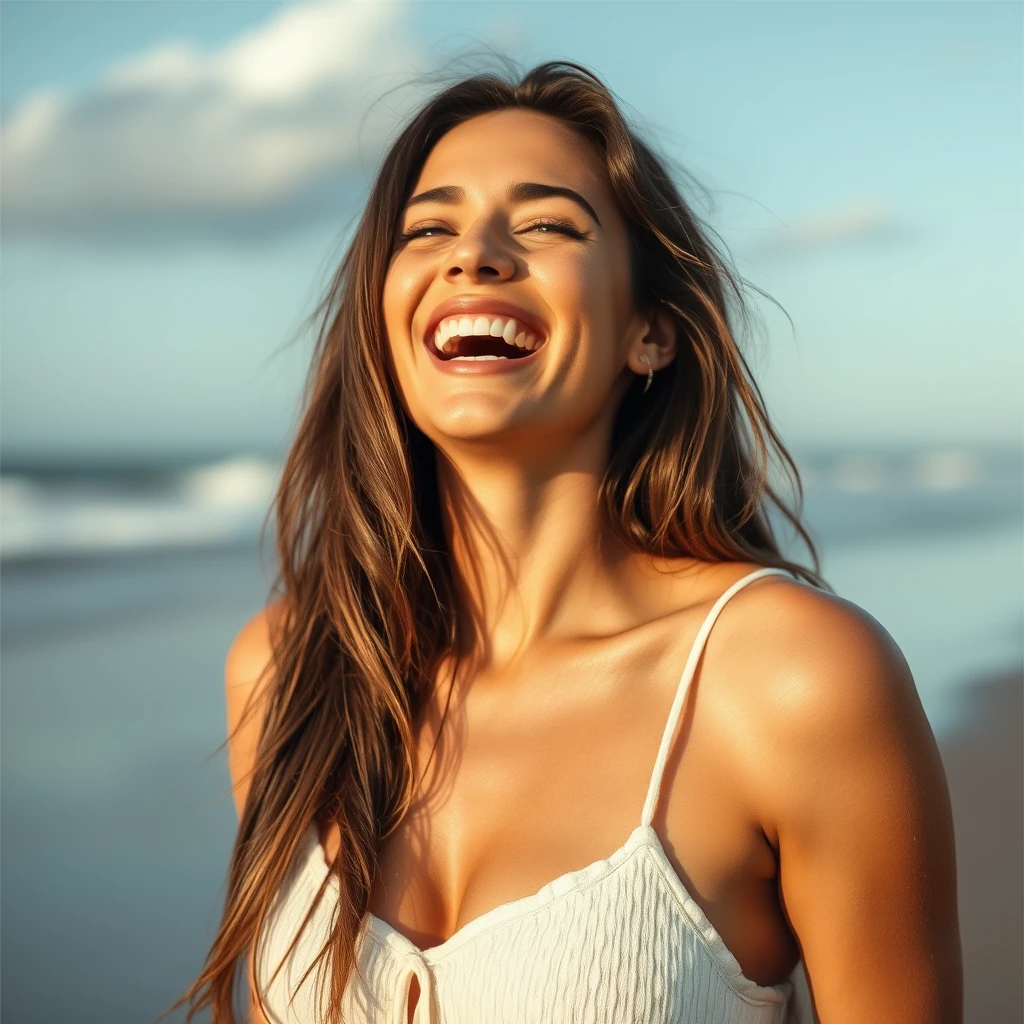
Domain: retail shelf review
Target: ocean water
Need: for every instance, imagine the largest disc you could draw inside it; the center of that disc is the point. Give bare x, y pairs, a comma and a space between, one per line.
121, 588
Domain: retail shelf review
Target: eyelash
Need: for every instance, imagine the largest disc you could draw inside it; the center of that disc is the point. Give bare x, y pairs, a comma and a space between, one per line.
561, 226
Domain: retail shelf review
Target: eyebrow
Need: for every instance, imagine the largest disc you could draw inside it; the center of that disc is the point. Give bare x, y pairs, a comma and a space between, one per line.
522, 191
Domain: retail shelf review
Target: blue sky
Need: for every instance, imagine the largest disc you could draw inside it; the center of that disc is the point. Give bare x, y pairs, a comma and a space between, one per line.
178, 178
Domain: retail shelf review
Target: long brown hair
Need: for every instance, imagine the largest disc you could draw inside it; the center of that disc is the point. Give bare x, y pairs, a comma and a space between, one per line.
363, 568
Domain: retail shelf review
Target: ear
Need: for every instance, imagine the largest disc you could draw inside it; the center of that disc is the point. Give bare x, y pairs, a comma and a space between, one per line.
657, 340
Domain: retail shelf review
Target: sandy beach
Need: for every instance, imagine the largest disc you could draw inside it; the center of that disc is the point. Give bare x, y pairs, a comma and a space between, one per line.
985, 770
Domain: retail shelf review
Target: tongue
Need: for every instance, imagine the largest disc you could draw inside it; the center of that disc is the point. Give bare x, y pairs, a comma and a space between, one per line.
483, 345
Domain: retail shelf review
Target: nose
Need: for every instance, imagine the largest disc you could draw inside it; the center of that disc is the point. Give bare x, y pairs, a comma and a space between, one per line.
479, 256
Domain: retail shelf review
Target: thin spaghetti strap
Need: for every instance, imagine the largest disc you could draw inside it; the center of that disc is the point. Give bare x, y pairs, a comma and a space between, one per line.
684, 684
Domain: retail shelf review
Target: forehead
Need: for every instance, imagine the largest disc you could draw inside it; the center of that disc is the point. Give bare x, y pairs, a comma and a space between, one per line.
489, 150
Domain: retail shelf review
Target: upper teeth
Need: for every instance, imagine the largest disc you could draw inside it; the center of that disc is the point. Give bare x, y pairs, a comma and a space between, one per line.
482, 326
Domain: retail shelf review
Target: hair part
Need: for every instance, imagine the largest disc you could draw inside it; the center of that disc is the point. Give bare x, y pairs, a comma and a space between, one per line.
363, 568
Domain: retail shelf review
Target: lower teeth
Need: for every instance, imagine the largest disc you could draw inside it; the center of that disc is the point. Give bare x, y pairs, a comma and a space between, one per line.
454, 358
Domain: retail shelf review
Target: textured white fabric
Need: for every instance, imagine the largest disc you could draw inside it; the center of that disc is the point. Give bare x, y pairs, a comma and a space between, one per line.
618, 942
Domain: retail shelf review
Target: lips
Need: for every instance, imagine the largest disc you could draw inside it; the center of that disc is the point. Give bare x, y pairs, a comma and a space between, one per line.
475, 306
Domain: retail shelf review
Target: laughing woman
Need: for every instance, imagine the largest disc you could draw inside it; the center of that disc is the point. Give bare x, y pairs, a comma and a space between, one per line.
541, 725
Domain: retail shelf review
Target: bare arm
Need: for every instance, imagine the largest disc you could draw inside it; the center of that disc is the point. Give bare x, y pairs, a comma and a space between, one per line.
857, 802
247, 658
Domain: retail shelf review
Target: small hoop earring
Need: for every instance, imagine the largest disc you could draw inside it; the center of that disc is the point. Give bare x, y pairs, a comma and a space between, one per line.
650, 372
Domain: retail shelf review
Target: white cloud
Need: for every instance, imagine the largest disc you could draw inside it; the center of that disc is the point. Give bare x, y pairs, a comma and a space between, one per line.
176, 137
865, 223
857, 221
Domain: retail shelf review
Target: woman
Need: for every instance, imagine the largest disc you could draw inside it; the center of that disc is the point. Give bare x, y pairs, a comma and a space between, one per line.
490, 758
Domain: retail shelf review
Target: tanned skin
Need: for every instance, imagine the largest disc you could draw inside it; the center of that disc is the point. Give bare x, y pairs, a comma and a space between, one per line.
804, 805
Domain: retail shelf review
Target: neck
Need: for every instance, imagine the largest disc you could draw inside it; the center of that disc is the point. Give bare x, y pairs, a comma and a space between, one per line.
532, 553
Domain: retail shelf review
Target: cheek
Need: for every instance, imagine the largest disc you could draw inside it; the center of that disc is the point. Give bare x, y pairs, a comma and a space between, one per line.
401, 291
404, 288
589, 297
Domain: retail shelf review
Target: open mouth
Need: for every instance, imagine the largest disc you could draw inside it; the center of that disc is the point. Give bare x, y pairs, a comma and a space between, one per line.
482, 338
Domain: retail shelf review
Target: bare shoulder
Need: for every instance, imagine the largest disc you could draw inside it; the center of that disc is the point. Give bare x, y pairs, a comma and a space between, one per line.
248, 676
844, 774
251, 649
816, 673
818, 652
247, 680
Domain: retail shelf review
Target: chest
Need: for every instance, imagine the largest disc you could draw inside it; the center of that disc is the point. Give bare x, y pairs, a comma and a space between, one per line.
528, 781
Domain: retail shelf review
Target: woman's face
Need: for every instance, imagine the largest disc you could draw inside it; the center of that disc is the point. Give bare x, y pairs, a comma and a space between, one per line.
508, 302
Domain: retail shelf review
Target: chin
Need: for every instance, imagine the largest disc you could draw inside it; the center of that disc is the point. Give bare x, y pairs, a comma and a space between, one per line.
470, 418
494, 439
469, 430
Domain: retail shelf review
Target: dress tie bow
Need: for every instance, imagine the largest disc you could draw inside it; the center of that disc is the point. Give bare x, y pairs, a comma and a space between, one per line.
414, 966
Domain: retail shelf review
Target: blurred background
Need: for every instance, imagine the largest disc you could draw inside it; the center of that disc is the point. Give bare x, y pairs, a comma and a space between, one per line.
179, 180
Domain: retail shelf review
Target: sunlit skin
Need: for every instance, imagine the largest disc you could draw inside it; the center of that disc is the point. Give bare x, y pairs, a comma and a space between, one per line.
526, 449
804, 806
